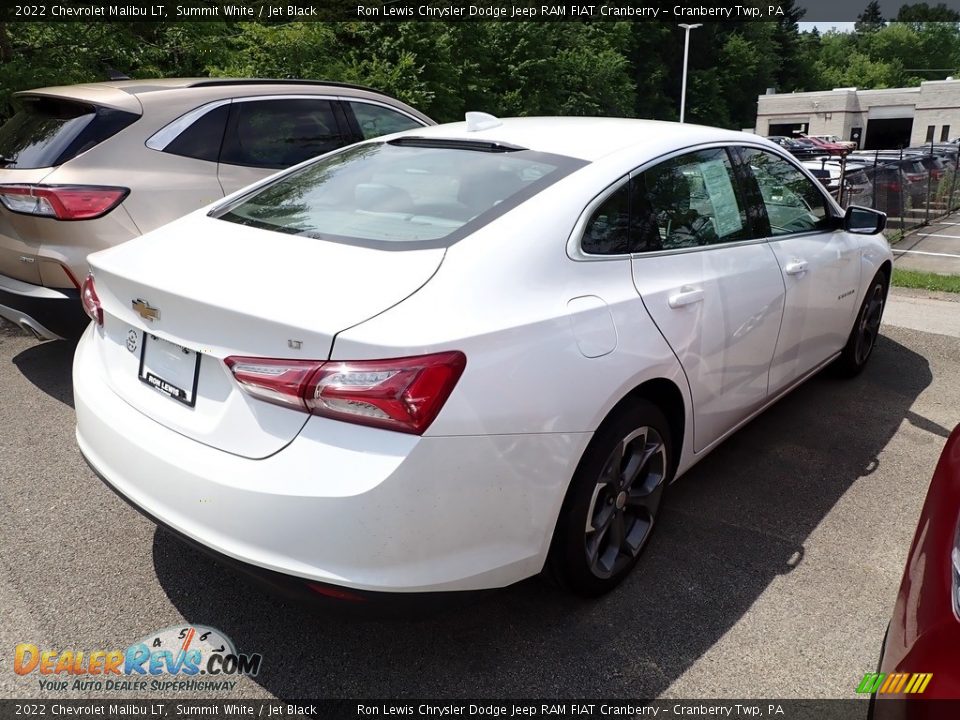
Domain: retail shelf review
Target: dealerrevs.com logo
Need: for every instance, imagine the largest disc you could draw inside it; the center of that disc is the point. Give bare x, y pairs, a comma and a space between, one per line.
894, 683
193, 657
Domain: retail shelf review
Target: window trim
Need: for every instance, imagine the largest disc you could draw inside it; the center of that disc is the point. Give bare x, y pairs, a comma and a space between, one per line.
162, 138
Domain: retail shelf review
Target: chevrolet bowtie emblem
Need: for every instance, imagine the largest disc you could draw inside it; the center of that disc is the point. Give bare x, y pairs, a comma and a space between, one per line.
143, 309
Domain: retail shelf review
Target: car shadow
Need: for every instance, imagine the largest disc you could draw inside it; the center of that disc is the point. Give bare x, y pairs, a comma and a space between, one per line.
49, 366
731, 526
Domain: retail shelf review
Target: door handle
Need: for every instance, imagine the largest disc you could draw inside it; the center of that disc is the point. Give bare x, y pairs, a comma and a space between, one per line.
795, 267
687, 295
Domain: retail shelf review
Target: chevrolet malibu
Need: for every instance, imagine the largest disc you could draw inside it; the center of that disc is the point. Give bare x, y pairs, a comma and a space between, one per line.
454, 357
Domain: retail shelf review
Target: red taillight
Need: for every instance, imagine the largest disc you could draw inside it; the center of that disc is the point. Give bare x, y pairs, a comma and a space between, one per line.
90, 300
403, 394
62, 202
283, 382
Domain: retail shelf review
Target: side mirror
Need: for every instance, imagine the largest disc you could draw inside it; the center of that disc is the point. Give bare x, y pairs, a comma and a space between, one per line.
864, 221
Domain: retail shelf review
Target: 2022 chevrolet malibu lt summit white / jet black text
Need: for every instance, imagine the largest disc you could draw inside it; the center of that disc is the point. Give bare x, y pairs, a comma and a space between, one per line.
447, 359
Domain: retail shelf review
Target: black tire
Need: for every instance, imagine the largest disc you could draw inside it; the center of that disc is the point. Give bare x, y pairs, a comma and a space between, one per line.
863, 336
615, 495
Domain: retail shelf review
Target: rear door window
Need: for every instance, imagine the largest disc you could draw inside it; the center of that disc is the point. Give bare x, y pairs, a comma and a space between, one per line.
47, 132
688, 201
279, 133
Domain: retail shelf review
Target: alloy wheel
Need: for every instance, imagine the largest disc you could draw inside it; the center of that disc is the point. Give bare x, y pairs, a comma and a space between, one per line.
625, 501
869, 325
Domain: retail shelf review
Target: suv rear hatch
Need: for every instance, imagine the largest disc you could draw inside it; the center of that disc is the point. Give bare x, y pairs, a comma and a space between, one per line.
245, 291
46, 132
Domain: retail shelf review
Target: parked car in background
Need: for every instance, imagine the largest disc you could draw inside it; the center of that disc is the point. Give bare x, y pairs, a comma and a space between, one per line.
857, 188
933, 165
449, 358
826, 147
835, 140
947, 152
84, 167
819, 172
799, 148
897, 177
915, 174
924, 631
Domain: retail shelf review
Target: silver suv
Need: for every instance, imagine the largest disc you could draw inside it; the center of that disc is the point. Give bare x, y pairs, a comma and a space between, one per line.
84, 167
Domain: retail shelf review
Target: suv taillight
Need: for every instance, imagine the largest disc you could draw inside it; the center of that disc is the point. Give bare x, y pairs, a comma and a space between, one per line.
62, 202
403, 394
90, 300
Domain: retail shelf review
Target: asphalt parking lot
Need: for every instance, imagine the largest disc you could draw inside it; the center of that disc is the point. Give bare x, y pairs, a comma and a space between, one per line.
932, 248
773, 572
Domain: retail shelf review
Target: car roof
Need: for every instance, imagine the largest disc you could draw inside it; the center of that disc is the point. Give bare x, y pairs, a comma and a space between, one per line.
138, 87
127, 94
587, 138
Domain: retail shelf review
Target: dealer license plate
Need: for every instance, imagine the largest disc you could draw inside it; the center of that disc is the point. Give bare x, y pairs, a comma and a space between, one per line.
170, 369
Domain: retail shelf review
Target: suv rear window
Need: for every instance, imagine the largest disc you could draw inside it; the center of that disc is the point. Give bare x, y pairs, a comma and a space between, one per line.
46, 132
386, 193
857, 177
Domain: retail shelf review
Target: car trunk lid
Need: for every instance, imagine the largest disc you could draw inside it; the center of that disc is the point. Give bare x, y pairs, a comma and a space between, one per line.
243, 291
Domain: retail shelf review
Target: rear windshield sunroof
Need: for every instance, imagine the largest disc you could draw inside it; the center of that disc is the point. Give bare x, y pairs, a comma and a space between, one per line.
397, 193
47, 132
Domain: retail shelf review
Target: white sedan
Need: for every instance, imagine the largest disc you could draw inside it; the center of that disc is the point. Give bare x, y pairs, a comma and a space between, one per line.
454, 357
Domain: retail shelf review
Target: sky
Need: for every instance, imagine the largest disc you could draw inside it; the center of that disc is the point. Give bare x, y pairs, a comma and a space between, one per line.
825, 26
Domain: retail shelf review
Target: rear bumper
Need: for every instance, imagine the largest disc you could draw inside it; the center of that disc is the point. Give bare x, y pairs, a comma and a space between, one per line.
352, 507
311, 592
48, 313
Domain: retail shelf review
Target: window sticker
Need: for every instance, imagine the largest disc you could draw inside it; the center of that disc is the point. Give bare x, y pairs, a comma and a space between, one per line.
726, 212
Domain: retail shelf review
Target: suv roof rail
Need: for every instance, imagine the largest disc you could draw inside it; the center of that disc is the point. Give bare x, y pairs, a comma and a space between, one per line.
214, 82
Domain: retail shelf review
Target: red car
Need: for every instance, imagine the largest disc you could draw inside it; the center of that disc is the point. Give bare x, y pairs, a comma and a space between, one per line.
828, 147
924, 632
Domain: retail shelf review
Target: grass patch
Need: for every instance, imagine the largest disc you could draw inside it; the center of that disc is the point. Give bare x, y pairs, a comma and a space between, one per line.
926, 280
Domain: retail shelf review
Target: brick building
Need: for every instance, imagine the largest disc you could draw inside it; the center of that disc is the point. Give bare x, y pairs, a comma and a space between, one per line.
877, 119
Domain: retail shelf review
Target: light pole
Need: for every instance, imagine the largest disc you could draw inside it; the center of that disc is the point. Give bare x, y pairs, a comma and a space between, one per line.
686, 52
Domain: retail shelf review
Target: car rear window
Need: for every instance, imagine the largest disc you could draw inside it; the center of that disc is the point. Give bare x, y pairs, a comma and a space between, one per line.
46, 132
399, 193
857, 177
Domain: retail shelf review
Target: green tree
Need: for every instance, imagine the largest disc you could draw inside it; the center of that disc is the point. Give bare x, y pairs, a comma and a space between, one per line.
921, 12
871, 19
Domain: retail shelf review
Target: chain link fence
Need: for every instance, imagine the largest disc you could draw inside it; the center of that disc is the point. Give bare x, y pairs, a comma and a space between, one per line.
913, 186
